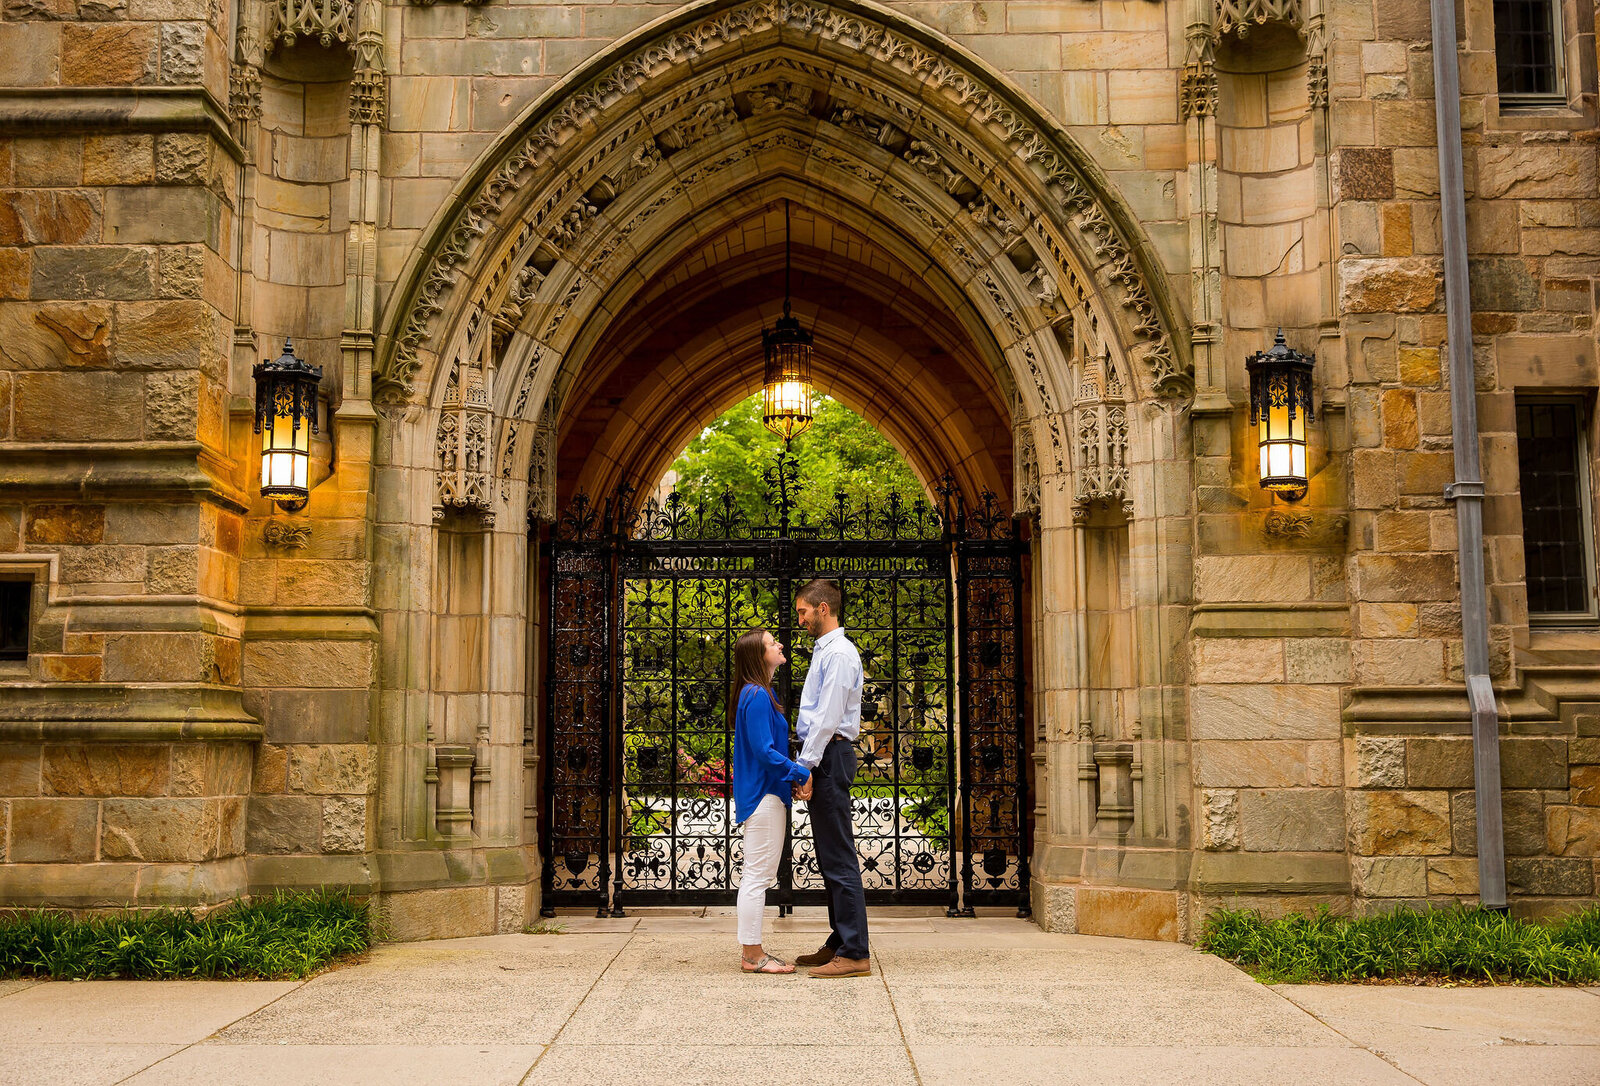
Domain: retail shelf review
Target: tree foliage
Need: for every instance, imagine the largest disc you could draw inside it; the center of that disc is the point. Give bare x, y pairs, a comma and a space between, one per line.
841, 451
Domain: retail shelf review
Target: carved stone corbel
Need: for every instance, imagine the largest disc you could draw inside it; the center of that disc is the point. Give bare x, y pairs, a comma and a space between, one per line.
453, 801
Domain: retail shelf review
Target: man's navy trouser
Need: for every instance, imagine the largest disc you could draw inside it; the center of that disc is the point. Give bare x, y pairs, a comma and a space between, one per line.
834, 833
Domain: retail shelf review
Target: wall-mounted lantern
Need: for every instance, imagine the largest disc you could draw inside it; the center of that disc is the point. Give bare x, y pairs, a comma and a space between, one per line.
1280, 406
786, 383
286, 417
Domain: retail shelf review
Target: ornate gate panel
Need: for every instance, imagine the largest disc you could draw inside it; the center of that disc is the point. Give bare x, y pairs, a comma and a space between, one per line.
682, 583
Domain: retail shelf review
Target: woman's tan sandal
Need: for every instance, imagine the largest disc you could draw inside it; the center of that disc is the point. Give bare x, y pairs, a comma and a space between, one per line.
767, 964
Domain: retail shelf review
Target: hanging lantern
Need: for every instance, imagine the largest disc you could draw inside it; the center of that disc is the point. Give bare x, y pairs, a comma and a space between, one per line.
286, 417
1280, 406
786, 384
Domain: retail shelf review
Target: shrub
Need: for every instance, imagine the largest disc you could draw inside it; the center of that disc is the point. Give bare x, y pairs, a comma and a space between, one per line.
1449, 943
286, 935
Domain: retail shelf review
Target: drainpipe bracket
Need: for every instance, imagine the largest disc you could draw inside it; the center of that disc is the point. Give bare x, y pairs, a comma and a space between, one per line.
1463, 488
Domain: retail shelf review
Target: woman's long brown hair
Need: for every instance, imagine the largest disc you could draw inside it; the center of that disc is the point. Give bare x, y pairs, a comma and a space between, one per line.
750, 666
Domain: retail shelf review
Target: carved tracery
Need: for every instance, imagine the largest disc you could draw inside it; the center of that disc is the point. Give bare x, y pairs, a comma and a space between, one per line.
1100, 420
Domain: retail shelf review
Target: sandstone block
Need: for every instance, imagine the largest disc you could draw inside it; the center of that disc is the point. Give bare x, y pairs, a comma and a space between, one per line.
1539, 171
1409, 285
1533, 762
1585, 784
118, 160
1550, 876
1221, 820
151, 523
49, 217
181, 269
1502, 284
183, 55
1317, 660
1419, 366
1404, 662
1389, 876
1292, 820
513, 909
16, 272
1267, 764
1380, 762
105, 769
1405, 577
53, 830
1366, 173
271, 772
49, 524
55, 335
1237, 660
172, 405
1128, 914
312, 716
159, 830
158, 657
1253, 578
1401, 429
344, 824
165, 215
109, 55
69, 669
331, 770
211, 769
167, 335
1439, 763
1522, 817
1264, 711
1453, 877
1574, 831
114, 272
1399, 823
102, 565
436, 914
19, 769
308, 663
1386, 620
280, 824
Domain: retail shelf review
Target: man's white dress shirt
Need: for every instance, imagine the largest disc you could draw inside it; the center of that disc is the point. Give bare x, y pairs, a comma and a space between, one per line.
830, 701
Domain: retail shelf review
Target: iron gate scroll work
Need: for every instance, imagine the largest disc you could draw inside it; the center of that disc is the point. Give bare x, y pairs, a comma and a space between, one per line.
645, 602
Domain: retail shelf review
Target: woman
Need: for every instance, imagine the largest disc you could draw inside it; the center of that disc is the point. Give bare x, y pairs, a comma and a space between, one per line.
763, 777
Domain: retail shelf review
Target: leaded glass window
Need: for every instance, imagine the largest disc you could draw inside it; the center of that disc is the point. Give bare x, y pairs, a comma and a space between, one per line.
1557, 537
1527, 50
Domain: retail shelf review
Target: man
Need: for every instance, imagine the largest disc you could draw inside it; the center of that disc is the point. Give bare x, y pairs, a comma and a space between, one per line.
828, 723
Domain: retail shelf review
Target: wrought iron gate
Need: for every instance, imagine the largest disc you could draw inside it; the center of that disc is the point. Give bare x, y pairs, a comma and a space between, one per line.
645, 602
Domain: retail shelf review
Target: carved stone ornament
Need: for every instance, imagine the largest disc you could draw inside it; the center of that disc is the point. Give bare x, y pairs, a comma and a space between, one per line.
1304, 17
1025, 483
368, 97
321, 21
288, 534
244, 79
918, 140
1101, 422
462, 445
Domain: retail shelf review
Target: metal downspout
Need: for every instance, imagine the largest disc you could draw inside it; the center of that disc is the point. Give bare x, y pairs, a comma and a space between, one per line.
1467, 491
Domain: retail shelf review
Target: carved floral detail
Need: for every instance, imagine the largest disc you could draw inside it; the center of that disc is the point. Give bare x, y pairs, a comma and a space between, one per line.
288, 534
1028, 144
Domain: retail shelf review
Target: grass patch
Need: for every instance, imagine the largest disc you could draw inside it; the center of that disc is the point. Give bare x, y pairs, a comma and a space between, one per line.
275, 938
1435, 945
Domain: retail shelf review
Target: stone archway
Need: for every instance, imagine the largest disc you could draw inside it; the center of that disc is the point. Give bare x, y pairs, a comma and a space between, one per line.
513, 316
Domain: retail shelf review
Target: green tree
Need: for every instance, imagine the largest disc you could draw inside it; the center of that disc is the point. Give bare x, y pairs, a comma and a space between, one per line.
841, 451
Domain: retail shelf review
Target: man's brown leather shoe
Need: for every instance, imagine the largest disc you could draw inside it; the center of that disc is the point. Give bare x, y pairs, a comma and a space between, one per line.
823, 956
844, 967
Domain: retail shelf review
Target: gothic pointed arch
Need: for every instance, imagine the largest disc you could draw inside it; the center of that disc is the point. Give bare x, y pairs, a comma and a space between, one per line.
861, 112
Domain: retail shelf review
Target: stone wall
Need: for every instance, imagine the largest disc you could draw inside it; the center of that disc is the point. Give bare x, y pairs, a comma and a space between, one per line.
180, 189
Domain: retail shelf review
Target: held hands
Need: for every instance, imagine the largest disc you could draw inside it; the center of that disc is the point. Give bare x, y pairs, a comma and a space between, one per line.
803, 789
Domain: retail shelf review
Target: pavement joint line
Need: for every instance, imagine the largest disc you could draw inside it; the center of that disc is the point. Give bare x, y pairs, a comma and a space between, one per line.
1315, 1017
219, 1029
545, 1049
898, 1024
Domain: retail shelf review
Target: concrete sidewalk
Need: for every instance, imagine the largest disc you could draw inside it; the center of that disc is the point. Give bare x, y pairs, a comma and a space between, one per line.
658, 998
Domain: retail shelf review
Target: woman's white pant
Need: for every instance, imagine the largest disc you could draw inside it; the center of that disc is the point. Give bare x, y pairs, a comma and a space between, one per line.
763, 848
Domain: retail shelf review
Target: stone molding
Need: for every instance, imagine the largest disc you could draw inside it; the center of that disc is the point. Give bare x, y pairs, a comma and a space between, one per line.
34, 111
1541, 697
1083, 195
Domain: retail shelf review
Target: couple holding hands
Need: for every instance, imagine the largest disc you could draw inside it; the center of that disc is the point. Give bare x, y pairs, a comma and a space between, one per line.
765, 780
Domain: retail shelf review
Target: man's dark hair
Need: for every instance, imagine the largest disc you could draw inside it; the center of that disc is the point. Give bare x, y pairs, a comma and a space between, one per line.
824, 591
